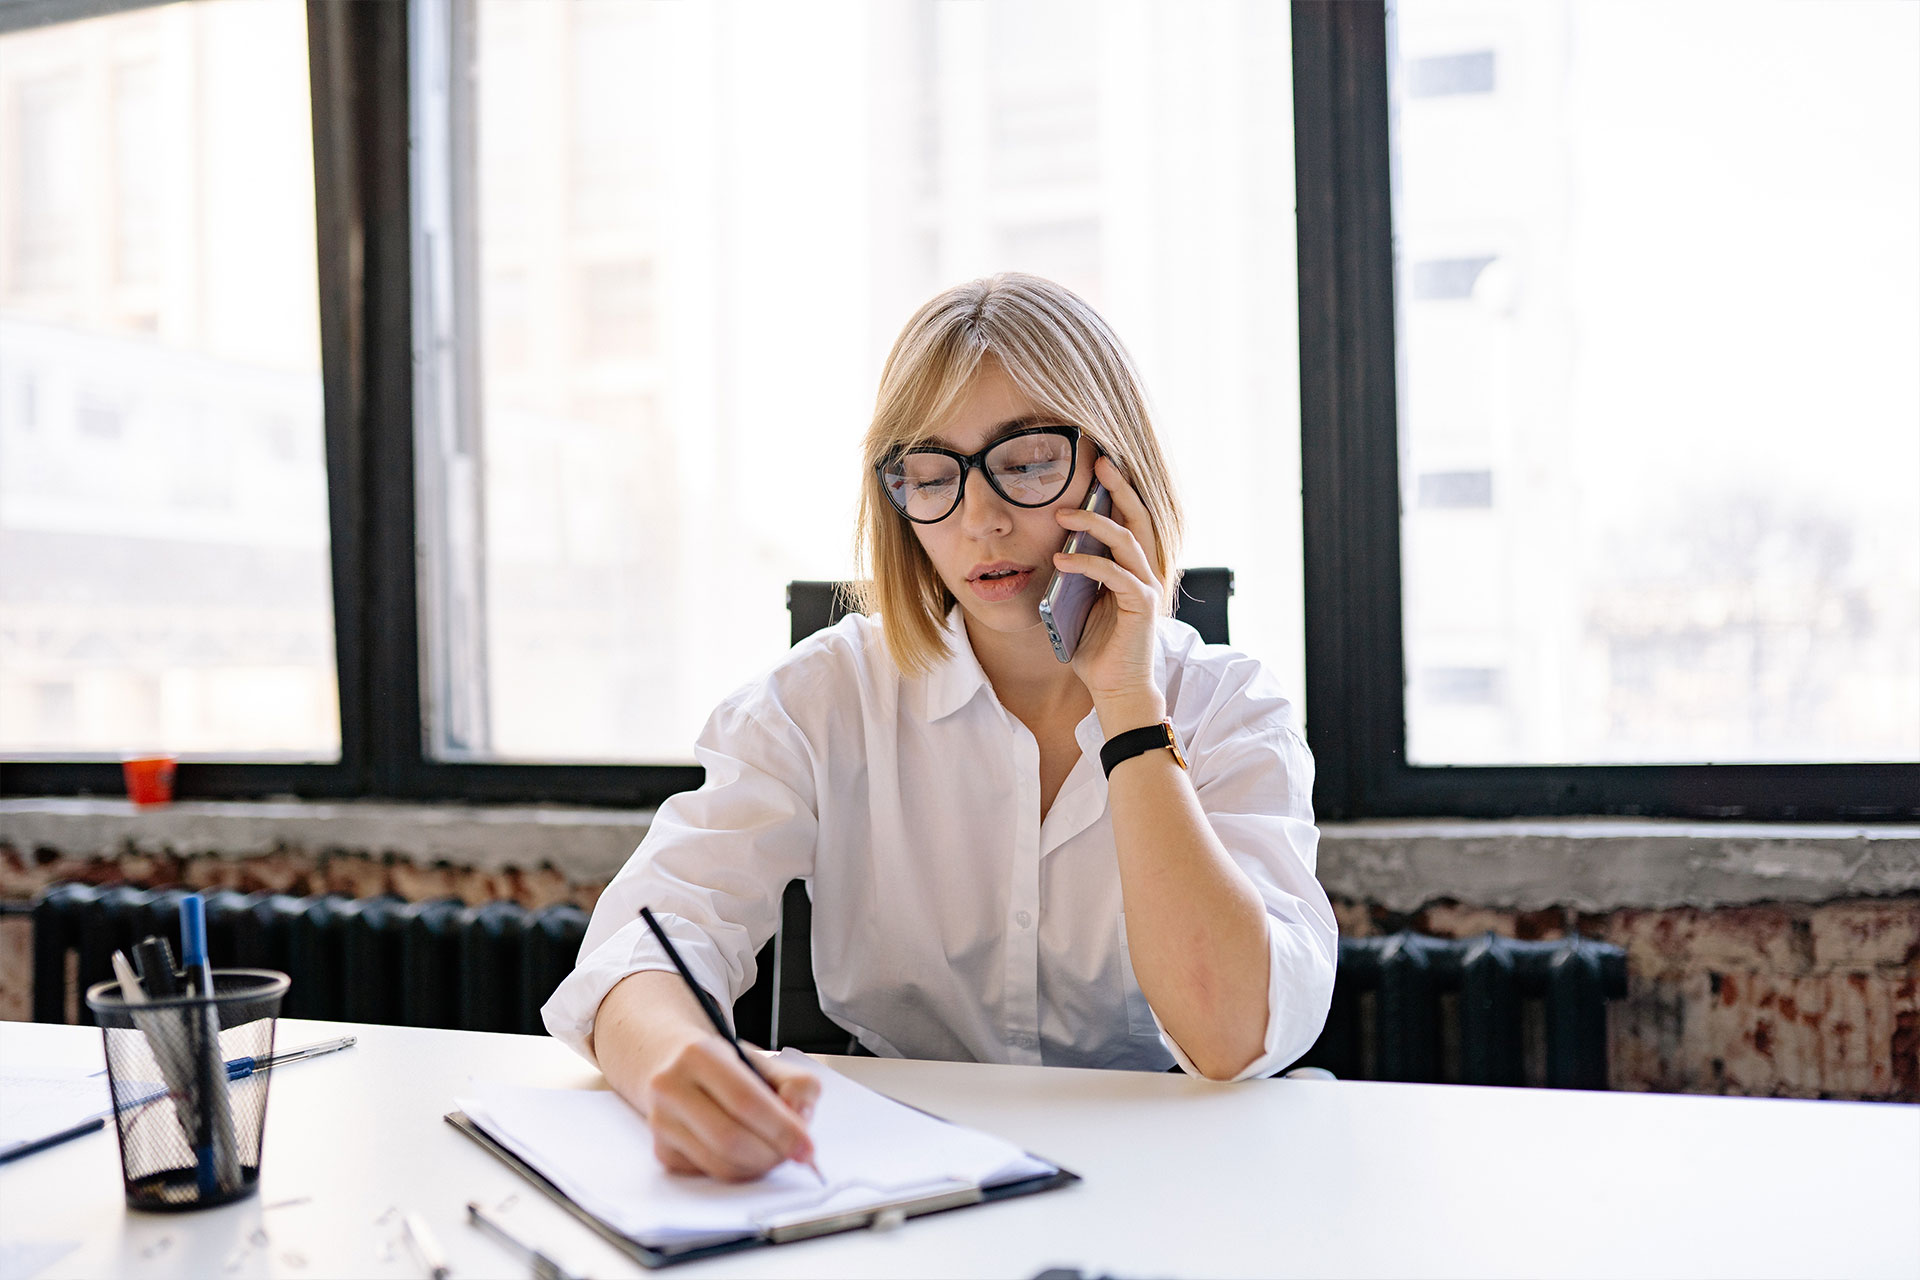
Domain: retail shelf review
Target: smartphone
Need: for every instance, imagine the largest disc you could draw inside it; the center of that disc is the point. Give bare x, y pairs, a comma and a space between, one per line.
1070, 596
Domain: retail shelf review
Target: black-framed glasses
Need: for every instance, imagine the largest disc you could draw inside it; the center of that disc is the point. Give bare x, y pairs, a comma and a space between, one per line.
1029, 468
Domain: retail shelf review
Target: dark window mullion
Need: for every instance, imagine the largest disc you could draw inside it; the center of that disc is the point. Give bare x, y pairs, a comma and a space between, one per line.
1348, 426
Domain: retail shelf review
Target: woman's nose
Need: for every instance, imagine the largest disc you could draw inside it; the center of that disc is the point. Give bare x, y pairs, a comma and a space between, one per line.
982, 511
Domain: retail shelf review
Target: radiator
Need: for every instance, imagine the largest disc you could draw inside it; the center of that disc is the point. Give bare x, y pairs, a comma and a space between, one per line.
425, 964
1482, 1010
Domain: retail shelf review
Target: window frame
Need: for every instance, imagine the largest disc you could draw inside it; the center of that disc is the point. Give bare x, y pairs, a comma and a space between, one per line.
360, 59
1351, 502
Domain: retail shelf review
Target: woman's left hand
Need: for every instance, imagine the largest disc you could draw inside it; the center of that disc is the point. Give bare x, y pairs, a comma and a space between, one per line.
1116, 655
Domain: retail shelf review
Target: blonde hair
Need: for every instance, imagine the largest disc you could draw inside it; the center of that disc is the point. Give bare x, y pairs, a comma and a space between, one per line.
1062, 355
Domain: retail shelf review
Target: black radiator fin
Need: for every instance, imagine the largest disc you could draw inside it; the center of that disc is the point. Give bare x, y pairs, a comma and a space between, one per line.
1435, 1010
384, 960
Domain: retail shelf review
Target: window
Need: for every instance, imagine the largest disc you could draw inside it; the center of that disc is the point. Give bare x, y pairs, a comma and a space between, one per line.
1612, 469
164, 575
586, 367
1694, 533
691, 296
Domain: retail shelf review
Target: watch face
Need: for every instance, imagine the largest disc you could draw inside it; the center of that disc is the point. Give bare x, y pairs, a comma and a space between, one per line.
1173, 744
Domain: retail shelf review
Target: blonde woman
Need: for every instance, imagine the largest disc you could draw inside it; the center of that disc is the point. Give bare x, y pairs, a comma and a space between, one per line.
985, 887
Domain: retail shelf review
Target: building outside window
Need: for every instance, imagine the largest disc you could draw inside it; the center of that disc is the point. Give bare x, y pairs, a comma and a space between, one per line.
164, 575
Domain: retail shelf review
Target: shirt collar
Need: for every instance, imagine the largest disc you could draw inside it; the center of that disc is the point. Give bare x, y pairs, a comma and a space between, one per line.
953, 684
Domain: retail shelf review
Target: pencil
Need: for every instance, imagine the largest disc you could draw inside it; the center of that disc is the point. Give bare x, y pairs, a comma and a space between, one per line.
712, 1010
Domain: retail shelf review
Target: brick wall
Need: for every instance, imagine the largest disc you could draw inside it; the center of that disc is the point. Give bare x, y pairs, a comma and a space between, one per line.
1788, 1000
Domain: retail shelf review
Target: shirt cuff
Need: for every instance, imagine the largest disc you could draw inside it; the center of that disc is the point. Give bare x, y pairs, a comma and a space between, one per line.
1299, 993
570, 1011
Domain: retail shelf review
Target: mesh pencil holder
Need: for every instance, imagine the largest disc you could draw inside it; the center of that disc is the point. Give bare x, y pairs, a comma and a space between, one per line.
190, 1137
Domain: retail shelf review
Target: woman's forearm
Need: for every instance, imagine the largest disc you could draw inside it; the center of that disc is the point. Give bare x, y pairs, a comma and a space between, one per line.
643, 1022
1196, 928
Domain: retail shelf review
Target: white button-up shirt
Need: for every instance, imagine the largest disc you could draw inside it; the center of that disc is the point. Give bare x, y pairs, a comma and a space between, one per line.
949, 920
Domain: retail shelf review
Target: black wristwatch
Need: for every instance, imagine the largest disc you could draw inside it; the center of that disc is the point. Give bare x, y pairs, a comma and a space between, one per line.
1135, 742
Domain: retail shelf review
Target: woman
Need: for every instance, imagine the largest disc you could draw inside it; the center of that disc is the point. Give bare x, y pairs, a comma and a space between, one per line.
983, 888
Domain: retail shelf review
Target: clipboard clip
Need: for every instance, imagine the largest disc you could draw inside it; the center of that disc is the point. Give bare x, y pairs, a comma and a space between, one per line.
781, 1228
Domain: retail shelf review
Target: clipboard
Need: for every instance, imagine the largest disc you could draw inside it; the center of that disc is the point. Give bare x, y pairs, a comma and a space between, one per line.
781, 1231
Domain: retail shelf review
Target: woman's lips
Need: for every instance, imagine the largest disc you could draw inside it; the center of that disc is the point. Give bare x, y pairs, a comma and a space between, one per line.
994, 590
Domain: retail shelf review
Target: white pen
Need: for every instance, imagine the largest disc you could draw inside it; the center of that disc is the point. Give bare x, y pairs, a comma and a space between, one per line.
130, 989
425, 1247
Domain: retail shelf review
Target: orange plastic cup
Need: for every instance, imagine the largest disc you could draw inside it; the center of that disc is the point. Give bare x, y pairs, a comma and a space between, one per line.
149, 779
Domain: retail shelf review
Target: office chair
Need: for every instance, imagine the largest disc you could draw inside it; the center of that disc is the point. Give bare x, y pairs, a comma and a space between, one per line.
783, 1007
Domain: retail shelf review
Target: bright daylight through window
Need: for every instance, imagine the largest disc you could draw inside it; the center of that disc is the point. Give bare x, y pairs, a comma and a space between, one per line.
1659, 305
695, 231
164, 575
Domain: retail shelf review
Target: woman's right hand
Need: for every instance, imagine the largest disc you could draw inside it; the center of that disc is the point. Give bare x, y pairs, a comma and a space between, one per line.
708, 1113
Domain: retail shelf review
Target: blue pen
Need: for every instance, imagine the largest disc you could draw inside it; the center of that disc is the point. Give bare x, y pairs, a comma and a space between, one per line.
193, 945
241, 1068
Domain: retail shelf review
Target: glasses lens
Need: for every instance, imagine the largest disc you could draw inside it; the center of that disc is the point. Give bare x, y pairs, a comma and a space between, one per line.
1031, 470
923, 486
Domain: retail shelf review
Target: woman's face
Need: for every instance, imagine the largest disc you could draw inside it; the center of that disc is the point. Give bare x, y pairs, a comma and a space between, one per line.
996, 558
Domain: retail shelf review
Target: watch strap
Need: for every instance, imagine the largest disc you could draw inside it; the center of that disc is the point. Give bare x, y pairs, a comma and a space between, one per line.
1135, 742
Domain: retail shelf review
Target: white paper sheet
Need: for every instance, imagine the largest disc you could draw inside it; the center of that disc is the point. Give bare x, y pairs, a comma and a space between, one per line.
38, 1102
871, 1150
24, 1259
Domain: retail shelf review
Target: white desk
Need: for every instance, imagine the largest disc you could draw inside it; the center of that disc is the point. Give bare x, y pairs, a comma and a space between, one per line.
1183, 1178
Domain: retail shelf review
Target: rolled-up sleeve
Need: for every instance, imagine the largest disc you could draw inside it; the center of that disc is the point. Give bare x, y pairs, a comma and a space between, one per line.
1253, 775
712, 867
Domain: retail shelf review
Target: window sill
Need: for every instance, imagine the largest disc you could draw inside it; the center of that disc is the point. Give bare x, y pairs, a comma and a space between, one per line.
1588, 865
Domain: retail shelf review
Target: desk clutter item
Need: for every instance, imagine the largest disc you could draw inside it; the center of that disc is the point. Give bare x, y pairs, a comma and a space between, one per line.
149, 779
882, 1162
43, 1106
189, 1136
383, 960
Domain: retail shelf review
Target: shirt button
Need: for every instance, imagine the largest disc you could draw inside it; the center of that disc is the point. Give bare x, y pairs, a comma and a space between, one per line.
1022, 919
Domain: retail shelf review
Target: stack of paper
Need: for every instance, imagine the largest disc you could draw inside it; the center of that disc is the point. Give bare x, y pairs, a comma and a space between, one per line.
872, 1151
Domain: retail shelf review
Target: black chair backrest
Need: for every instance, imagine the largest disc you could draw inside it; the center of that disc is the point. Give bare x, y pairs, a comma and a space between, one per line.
815, 606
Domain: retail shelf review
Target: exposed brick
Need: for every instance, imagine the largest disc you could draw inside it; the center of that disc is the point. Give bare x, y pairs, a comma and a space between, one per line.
1758, 939
357, 876
1905, 1044
1739, 1031
1795, 1026
16, 968
1658, 1034
285, 871
215, 873
543, 886
416, 883
1863, 934
1452, 920
1534, 926
1354, 919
